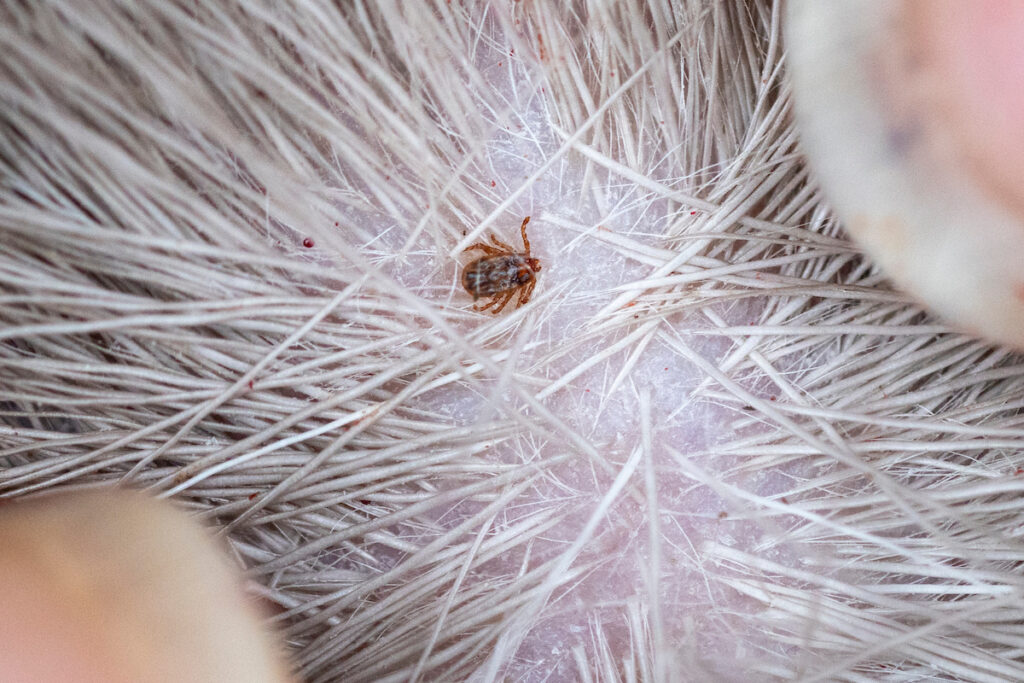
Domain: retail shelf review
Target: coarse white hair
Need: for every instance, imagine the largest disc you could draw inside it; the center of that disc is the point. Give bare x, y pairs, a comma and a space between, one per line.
715, 445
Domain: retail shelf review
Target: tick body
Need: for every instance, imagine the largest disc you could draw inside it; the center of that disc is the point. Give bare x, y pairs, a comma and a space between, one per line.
501, 273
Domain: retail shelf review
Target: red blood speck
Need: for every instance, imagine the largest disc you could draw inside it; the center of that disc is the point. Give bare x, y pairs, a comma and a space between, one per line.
723, 514
784, 500
512, 51
693, 213
493, 183
1019, 471
253, 495
587, 390
666, 369
250, 384
499, 63
335, 223
771, 398
308, 243
387, 177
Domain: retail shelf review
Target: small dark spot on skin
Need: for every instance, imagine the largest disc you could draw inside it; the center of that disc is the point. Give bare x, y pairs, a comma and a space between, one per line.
723, 514
748, 408
901, 138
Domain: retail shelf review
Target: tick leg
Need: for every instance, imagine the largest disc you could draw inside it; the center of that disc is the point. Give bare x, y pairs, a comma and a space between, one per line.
525, 292
483, 307
526, 241
503, 299
505, 248
486, 248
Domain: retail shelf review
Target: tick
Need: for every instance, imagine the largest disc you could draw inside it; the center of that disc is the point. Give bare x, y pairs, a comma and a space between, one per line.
501, 273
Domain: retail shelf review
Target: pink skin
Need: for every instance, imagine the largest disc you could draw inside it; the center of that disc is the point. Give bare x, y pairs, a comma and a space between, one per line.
114, 586
911, 113
973, 49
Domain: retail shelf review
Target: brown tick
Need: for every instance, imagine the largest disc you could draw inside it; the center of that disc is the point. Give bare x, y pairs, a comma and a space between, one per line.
501, 272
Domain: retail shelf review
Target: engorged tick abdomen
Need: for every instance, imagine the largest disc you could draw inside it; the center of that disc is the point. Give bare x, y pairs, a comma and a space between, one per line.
495, 274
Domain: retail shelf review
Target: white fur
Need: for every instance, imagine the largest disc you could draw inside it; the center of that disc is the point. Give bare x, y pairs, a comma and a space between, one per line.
714, 446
